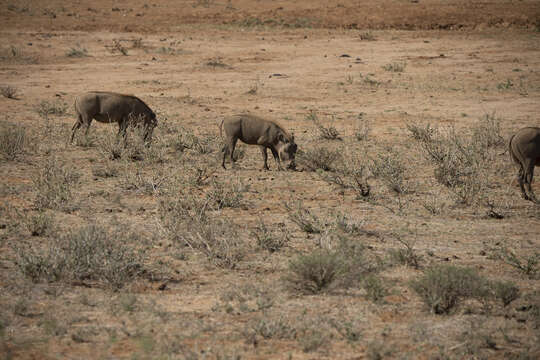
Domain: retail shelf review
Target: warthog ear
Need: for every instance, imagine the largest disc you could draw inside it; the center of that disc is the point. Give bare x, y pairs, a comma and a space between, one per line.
292, 137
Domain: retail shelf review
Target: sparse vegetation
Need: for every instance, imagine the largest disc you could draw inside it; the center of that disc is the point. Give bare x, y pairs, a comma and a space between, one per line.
316, 272
90, 253
527, 265
442, 287
46, 108
327, 133
77, 52
374, 288
226, 195
390, 168
14, 141
149, 183
191, 261
8, 91
268, 240
318, 157
217, 239
460, 161
53, 185
363, 128
367, 35
13, 54
40, 224
118, 47
506, 291
395, 67
304, 218
342, 263
407, 255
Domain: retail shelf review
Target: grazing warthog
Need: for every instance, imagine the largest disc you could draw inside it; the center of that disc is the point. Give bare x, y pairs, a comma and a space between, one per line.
254, 130
525, 151
108, 107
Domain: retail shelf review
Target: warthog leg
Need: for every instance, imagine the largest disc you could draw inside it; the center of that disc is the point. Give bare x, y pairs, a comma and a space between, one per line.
224, 150
80, 121
276, 157
521, 180
529, 172
265, 157
229, 149
74, 130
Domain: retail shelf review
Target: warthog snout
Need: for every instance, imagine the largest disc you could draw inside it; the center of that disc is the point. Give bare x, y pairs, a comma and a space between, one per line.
287, 153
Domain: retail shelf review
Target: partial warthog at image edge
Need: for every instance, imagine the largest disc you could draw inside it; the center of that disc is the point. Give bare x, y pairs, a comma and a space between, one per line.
524, 149
109, 107
254, 130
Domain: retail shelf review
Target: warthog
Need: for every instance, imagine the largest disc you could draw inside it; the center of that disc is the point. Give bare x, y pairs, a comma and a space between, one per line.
524, 149
254, 130
108, 107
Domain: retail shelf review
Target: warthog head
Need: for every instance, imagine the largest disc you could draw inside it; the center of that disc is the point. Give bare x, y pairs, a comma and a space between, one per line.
150, 123
287, 148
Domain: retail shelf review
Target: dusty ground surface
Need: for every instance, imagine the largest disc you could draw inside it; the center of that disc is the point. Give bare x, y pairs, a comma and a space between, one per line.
349, 66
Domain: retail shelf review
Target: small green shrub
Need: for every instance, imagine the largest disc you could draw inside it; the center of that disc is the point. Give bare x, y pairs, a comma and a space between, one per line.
349, 330
390, 168
487, 132
406, 255
111, 147
53, 185
9, 92
442, 287
186, 139
77, 52
363, 128
506, 291
269, 240
304, 218
46, 108
318, 158
350, 173
460, 162
271, 328
395, 67
40, 224
86, 141
343, 264
313, 339
14, 141
217, 239
108, 170
13, 54
368, 36
374, 287
198, 174
527, 265
316, 272
149, 183
118, 47
327, 133
88, 254
226, 195
175, 212
379, 350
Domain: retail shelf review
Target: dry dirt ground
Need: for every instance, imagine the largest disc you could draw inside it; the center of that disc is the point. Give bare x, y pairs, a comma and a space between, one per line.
196, 262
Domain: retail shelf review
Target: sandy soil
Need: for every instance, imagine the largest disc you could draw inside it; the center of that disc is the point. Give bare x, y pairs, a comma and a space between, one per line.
382, 64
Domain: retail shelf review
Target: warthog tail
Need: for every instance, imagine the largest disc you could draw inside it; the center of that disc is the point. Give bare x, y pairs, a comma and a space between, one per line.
512, 155
221, 127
